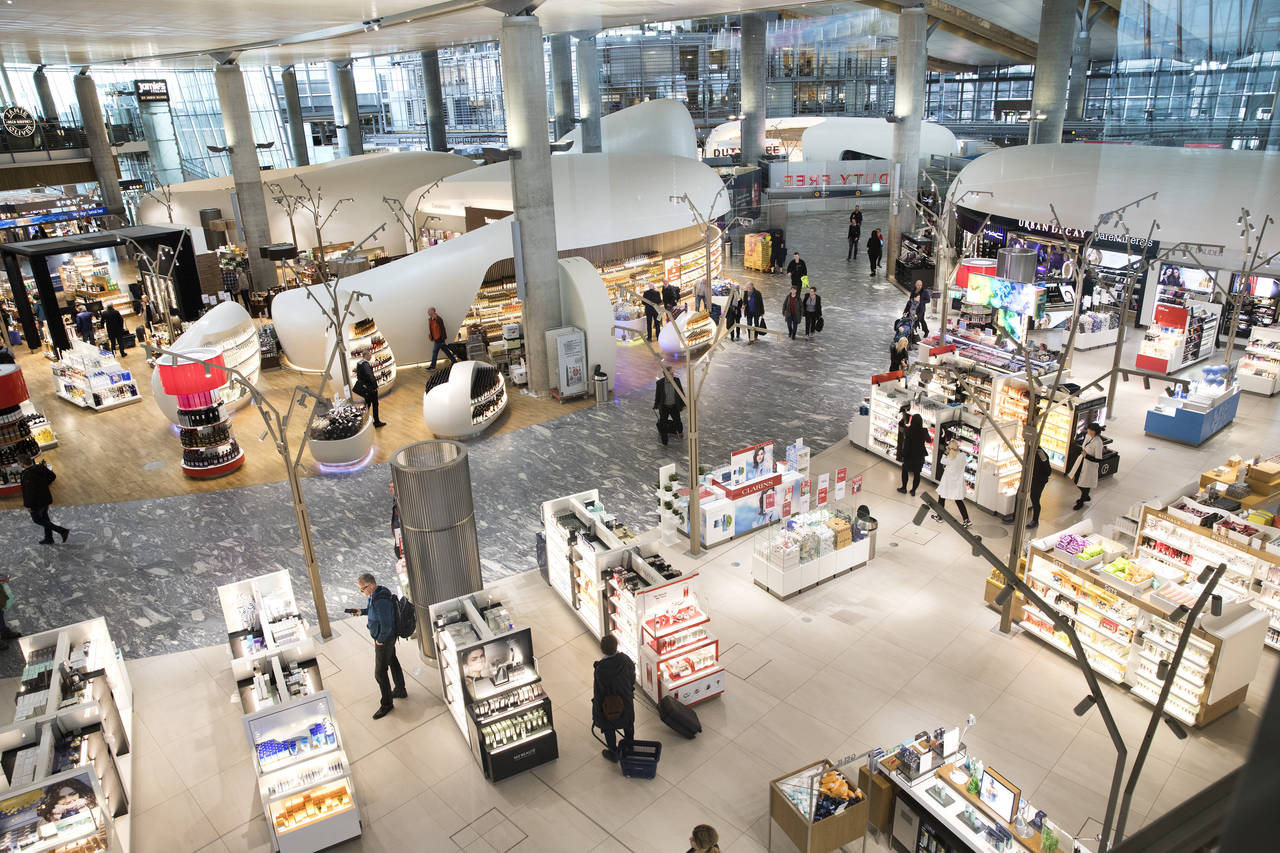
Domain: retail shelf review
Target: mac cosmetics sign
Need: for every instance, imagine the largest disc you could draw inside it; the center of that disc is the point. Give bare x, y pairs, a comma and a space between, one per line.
19, 122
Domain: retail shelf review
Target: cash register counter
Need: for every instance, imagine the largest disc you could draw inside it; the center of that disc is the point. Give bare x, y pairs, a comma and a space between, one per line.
929, 817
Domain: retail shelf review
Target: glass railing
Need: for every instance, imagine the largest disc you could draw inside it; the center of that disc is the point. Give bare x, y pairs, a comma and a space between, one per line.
51, 136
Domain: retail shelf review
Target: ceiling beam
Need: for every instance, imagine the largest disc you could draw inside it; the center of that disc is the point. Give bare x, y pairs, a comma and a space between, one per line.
969, 27
946, 67
1106, 12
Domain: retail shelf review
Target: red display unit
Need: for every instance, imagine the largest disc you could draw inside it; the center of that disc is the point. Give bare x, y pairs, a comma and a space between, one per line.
208, 448
15, 433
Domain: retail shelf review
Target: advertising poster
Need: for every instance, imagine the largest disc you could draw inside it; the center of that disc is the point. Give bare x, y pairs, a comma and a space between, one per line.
488, 667
842, 474
671, 271
30, 818
855, 485
752, 462
786, 504
824, 483
572, 359
803, 503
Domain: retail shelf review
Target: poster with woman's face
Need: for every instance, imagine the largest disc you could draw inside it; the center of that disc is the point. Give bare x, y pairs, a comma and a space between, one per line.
489, 667
752, 462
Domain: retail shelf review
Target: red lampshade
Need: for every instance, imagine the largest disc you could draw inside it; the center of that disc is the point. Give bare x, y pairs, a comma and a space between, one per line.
986, 266
180, 377
13, 389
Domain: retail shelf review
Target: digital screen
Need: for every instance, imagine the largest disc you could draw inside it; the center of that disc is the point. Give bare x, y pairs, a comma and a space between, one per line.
998, 795
1190, 278
1014, 301
1112, 260
1256, 285
1050, 257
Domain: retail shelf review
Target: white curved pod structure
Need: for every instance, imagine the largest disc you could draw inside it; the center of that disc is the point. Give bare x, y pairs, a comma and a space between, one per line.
661, 126
827, 138
584, 302
361, 338
600, 199
450, 409
364, 179
696, 329
227, 328
344, 451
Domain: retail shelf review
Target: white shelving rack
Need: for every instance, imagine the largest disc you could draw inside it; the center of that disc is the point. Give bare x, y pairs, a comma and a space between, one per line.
1258, 371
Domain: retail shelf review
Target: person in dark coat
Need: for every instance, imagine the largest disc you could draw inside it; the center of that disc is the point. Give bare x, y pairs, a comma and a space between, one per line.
1041, 470
84, 324
6, 355
670, 297
918, 304
113, 322
381, 610
668, 401
37, 498
791, 311
652, 300
855, 234
914, 450
798, 269
613, 706
367, 387
752, 311
875, 247
811, 302
904, 421
733, 313
899, 351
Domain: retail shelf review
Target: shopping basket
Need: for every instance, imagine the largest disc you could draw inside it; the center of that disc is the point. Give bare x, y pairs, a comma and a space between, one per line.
639, 759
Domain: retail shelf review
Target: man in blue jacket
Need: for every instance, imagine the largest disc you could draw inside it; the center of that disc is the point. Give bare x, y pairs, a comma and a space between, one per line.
381, 610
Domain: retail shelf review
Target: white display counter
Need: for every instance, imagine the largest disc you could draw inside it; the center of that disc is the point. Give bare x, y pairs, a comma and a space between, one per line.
343, 451
782, 565
464, 400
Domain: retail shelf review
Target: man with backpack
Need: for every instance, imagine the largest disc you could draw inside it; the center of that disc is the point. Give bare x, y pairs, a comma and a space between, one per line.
613, 696
385, 627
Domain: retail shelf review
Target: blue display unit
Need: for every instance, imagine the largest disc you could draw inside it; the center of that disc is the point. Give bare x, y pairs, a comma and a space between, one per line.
1193, 428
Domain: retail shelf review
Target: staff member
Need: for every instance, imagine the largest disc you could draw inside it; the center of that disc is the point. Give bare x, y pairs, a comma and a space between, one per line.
668, 401
875, 247
652, 300
367, 387
1085, 469
914, 450
1041, 470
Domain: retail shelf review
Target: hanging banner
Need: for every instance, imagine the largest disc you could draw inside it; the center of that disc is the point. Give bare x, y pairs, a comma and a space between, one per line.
842, 474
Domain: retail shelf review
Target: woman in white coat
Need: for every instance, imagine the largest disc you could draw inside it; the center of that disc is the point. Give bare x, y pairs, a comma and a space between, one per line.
951, 486
1085, 469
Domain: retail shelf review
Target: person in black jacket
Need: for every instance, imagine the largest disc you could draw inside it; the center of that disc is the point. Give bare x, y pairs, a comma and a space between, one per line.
914, 450
918, 305
798, 270
668, 401
113, 322
652, 300
855, 235
752, 311
37, 498
367, 387
811, 302
613, 697
875, 246
1040, 473
791, 311
898, 354
733, 313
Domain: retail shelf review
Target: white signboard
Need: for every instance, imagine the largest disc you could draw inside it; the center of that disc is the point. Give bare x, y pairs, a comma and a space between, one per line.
571, 361
831, 176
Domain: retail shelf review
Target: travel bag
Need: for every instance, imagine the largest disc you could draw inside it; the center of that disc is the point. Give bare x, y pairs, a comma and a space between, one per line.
680, 717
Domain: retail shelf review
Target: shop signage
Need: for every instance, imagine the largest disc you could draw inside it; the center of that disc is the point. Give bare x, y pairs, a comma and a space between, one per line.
53, 216
151, 91
943, 350
478, 217
754, 487
855, 485
842, 474
803, 501
831, 176
774, 149
1170, 316
886, 377
19, 122
824, 484
1047, 228
671, 271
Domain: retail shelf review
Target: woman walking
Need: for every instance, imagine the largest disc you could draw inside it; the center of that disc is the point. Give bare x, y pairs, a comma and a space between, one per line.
875, 246
1084, 471
1041, 470
812, 311
898, 354
914, 450
951, 486
791, 311
704, 839
733, 313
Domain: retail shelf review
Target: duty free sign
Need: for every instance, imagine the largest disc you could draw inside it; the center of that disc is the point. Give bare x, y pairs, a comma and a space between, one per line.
832, 176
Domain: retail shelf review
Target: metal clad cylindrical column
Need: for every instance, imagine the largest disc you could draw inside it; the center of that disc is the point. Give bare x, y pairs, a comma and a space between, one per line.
438, 525
1016, 264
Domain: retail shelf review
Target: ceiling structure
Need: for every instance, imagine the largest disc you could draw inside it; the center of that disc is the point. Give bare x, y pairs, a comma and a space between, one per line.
185, 33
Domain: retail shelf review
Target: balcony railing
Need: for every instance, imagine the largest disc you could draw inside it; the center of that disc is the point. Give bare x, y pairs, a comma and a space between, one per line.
54, 141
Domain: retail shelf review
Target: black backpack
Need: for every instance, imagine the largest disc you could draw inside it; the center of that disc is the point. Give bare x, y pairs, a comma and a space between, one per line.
406, 618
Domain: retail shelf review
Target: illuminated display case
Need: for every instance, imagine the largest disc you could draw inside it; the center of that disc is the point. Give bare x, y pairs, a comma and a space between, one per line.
1259, 370
1179, 335
679, 656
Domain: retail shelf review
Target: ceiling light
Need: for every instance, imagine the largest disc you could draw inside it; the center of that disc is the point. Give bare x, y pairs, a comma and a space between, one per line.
920, 514
1205, 574
1162, 670
1215, 604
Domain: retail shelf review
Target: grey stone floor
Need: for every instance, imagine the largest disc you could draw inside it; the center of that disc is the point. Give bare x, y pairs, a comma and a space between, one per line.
152, 566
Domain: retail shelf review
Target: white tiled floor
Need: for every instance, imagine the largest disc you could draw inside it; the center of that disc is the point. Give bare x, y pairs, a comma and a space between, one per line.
900, 645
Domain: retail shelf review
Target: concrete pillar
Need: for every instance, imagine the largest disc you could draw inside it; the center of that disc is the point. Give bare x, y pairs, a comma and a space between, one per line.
436, 135
245, 171
293, 116
346, 110
562, 84
95, 130
1053, 61
6, 86
1079, 72
589, 106
162, 141
908, 110
524, 98
753, 88
48, 108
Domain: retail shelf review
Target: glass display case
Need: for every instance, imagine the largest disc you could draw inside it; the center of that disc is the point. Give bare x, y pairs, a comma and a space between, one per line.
679, 656
93, 379
304, 777
262, 619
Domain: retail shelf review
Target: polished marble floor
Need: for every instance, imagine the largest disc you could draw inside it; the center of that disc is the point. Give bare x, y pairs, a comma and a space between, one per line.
898, 646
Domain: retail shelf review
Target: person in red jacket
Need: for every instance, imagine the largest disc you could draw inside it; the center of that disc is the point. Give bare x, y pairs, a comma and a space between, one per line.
435, 327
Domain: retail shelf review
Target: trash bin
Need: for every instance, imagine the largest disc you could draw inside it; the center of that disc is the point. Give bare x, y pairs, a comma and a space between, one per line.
601, 381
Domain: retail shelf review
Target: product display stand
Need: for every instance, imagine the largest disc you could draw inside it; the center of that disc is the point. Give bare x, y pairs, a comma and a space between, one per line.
1258, 371
15, 429
91, 378
225, 328
363, 341
262, 620
801, 807
463, 400
208, 447
491, 685
1196, 415
67, 756
41, 429
1122, 608
304, 776
1179, 335
809, 549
